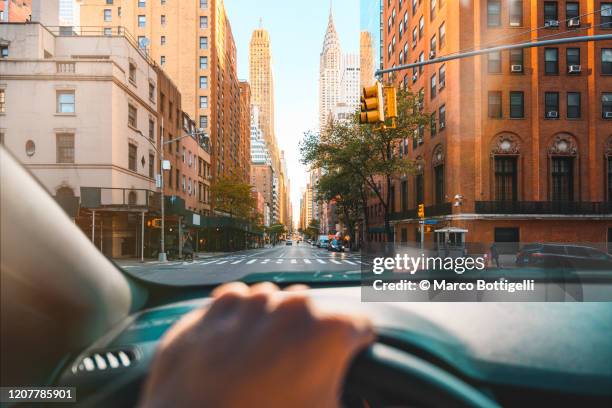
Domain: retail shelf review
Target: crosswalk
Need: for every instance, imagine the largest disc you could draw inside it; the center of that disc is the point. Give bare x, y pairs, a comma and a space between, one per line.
263, 261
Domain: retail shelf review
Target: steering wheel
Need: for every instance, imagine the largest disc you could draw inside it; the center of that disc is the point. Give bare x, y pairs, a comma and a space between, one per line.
384, 375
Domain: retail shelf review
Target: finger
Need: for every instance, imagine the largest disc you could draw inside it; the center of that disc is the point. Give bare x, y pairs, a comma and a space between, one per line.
263, 288
355, 331
236, 288
296, 288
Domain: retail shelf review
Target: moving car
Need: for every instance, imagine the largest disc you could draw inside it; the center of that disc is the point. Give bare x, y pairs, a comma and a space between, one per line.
335, 246
95, 327
289, 242
563, 255
322, 241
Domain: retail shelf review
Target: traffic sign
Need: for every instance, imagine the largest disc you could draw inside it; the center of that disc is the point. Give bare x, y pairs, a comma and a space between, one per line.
431, 222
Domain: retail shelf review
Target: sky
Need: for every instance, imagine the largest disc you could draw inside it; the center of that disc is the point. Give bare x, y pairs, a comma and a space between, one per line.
296, 30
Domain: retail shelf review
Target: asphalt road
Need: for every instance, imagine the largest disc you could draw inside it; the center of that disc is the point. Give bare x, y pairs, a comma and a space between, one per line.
295, 258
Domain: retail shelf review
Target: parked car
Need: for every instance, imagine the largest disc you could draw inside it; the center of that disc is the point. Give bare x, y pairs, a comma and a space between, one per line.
335, 246
323, 241
562, 255
289, 242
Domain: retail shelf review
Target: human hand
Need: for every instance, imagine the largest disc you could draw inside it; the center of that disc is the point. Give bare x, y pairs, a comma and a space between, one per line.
255, 346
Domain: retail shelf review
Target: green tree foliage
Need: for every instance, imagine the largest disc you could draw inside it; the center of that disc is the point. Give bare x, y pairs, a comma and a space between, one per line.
234, 198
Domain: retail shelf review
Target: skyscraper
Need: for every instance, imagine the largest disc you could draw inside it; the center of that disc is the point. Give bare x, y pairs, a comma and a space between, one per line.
366, 59
329, 73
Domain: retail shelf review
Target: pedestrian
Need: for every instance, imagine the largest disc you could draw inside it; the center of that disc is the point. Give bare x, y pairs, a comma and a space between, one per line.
188, 247
495, 255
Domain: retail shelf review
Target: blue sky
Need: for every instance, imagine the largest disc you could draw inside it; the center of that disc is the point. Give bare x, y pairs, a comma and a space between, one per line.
296, 31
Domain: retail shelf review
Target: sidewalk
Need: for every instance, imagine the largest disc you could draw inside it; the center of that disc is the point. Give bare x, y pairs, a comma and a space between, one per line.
136, 261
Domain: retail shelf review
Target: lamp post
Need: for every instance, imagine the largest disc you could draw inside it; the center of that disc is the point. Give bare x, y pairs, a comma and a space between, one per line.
199, 133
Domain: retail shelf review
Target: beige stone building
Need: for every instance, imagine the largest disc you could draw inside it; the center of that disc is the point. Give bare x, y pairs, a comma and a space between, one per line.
81, 114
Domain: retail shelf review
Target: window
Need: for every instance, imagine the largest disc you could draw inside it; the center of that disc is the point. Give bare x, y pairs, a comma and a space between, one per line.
108, 15
442, 117
203, 22
415, 37
132, 74
572, 14
551, 105
439, 184
419, 188
432, 87
516, 13
203, 62
506, 178
606, 61
151, 91
494, 62
2, 101
442, 75
203, 4
65, 102
184, 183
606, 105
550, 13
151, 129
432, 124
573, 105
151, 165
203, 82
572, 56
203, 102
421, 59
108, 31
551, 61
414, 6
495, 104
132, 115
606, 15
142, 21
562, 176
421, 27
109, 2
204, 43
143, 42
442, 35
64, 148
432, 9
432, 44
162, 20
141, 3
203, 121
162, 60
4, 51
493, 13
516, 60
517, 105
132, 153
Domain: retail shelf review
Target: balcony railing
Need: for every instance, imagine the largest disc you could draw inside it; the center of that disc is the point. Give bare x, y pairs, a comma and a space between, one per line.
544, 207
119, 198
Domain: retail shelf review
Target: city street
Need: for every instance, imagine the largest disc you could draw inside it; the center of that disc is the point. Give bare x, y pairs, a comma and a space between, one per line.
281, 258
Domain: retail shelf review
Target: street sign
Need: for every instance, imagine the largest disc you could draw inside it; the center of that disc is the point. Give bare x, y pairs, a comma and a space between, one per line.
431, 222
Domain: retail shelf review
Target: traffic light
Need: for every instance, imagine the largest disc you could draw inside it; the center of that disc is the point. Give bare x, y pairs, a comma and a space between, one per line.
372, 104
390, 102
154, 223
421, 211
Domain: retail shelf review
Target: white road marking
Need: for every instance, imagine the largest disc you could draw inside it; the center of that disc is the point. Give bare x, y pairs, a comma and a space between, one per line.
208, 262
349, 262
251, 261
279, 261
321, 261
294, 261
336, 262
236, 262
221, 262
265, 261
307, 261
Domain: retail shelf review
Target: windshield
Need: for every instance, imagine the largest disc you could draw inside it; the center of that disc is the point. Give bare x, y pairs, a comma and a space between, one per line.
419, 129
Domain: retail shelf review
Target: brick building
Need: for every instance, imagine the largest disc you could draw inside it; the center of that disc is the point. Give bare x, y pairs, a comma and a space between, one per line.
19, 11
520, 141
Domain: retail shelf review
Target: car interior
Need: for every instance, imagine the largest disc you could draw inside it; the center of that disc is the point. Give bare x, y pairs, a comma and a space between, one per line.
70, 317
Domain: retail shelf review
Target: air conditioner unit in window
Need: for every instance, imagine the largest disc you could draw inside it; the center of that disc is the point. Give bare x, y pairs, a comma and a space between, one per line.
608, 115
574, 22
551, 23
574, 69
415, 77
432, 54
553, 114
516, 68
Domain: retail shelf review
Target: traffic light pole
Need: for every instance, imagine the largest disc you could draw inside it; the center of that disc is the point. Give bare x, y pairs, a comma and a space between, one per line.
531, 44
162, 253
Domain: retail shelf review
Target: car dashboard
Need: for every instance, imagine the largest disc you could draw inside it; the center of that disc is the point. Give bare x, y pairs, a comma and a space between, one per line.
516, 353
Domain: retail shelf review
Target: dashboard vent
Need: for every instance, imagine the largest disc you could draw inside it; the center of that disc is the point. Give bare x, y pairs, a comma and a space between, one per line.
106, 360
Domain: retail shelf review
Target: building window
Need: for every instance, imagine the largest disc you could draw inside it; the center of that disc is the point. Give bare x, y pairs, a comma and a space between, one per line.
606, 105
442, 35
606, 61
142, 21
162, 40
151, 165
415, 37
432, 9
151, 129
184, 183
132, 74
506, 178
562, 176
516, 60
572, 56
162, 60
203, 43
108, 31
432, 45
432, 87
162, 20
203, 22
516, 13
64, 148
141, 3
108, 15
421, 59
517, 105
132, 115
421, 27
151, 91
203, 121
551, 15
442, 75
442, 117
551, 61
109, 2
439, 184
132, 153
203, 4
494, 62
203, 102
495, 104
419, 188
4, 51
493, 13
551, 105
203, 62
573, 105
572, 14
606, 15
203, 82
2, 101
65, 102
432, 124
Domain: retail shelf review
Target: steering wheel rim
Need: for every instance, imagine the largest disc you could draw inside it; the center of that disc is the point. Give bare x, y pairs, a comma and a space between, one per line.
383, 371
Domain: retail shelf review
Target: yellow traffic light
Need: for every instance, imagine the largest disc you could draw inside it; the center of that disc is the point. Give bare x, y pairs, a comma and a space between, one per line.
154, 223
390, 102
421, 211
372, 105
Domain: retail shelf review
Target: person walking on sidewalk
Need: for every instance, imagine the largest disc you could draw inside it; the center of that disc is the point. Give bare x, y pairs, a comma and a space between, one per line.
495, 255
188, 247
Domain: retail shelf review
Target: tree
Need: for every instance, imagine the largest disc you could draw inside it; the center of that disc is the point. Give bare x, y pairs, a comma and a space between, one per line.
313, 229
275, 231
370, 153
234, 198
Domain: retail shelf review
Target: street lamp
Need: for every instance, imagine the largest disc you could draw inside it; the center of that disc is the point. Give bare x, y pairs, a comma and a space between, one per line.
201, 136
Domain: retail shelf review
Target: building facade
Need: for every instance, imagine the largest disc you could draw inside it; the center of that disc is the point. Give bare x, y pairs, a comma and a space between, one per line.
19, 11
366, 59
519, 142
